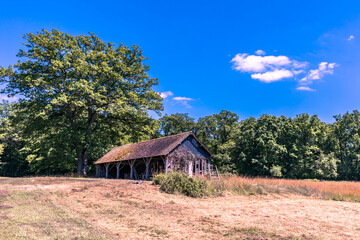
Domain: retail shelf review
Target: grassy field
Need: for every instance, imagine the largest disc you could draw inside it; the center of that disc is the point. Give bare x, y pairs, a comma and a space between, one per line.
75, 208
333, 190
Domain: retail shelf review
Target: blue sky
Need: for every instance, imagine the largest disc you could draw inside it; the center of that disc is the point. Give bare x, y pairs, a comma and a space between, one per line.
205, 53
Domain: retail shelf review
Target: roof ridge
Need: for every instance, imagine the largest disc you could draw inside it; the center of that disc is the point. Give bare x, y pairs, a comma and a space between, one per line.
189, 132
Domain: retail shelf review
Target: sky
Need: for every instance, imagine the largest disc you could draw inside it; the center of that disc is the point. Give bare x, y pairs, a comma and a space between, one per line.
248, 57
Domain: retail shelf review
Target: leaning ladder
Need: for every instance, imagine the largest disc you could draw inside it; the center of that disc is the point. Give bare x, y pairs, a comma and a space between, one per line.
212, 173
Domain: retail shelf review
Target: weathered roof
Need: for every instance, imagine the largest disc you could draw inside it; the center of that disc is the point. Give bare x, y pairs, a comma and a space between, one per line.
152, 148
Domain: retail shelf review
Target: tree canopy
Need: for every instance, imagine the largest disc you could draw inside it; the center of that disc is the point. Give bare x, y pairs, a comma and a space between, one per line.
78, 93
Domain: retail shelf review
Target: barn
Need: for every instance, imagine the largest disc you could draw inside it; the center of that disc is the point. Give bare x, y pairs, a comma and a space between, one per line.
145, 159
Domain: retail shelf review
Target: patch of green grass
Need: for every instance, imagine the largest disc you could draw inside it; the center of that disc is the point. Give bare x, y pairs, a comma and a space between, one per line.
254, 233
338, 197
161, 231
110, 211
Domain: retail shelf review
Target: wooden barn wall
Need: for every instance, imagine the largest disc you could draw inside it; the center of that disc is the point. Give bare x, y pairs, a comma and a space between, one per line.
194, 147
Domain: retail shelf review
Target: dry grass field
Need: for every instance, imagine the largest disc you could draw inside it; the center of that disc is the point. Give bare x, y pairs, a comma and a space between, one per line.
76, 208
334, 190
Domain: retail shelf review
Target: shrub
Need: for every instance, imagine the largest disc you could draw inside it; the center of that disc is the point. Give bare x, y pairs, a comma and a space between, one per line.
179, 182
159, 179
275, 171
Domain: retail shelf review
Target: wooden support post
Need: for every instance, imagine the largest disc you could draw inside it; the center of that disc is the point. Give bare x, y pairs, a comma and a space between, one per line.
147, 171
166, 165
107, 170
131, 163
199, 167
199, 162
203, 163
118, 170
190, 168
171, 164
195, 167
202, 167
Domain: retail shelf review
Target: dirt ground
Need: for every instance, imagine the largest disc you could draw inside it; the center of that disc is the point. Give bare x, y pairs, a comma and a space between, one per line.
122, 209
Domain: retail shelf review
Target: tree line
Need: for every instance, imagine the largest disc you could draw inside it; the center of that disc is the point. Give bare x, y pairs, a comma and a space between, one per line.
80, 96
301, 147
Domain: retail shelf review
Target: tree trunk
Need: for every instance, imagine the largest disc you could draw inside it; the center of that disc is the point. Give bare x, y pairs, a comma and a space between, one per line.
82, 162
83, 155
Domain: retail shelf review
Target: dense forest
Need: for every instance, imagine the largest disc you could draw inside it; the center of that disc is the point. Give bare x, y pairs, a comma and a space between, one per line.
78, 97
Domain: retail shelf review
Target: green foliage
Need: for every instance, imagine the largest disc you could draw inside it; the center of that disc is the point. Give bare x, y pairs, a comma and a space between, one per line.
179, 182
284, 147
326, 166
275, 171
347, 135
176, 123
12, 159
217, 132
303, 147
159, 179
79, 96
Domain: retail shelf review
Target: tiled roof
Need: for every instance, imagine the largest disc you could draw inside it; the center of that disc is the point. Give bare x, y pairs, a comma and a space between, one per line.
152, 148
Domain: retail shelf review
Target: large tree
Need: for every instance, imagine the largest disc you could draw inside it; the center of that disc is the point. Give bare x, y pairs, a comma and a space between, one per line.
176, 123
12, 161
300, 147
217, 132
78, 92
347, 133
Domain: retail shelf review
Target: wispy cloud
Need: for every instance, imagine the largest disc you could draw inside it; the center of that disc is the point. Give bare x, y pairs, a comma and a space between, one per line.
271, 68
184, 101
180, 100
316, 74
351, 37
260, 52
166, 94
305, 89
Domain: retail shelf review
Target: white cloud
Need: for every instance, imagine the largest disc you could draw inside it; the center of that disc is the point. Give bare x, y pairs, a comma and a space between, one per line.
299, 65
351, 37
251, 63
272, 76
296, 72
305, 89
316, 74
184, 101
271, 68
260, 52
268, 68
166, 94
